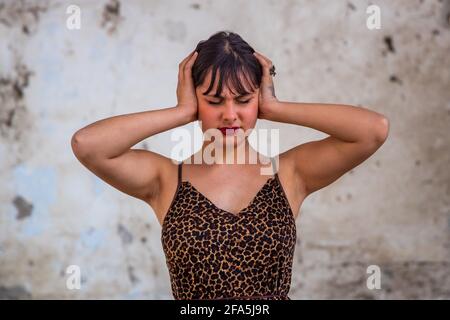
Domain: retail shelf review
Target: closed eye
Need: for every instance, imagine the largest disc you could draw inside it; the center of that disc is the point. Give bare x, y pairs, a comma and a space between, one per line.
241, 102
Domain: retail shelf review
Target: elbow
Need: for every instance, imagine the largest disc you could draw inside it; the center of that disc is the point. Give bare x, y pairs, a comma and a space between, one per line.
382, 130
77, 143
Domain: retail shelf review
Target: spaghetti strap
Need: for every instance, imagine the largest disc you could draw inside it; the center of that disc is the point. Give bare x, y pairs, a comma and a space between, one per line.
179, 172
193, 224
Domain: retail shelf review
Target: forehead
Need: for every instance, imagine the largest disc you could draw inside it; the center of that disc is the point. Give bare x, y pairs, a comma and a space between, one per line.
225, 84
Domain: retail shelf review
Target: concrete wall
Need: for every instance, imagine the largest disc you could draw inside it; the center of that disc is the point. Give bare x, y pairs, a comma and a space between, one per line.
392, 211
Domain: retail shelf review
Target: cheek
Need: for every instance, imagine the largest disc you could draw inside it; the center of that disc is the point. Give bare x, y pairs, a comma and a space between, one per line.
251, 111
206, 114
249, 115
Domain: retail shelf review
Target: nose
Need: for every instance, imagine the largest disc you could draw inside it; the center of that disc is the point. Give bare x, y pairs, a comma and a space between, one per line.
229, 114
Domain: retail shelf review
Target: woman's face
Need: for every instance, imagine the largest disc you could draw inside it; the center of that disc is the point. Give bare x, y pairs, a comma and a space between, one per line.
228, 111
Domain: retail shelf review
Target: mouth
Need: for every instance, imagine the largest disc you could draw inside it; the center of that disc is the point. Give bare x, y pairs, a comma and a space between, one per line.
228, 131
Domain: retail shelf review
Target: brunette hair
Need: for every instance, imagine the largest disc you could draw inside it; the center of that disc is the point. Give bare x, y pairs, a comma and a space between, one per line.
227, 52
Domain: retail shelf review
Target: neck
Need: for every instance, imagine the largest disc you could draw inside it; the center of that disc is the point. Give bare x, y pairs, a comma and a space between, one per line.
231, 155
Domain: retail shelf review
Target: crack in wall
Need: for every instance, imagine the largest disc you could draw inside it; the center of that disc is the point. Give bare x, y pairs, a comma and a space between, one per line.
22, 14
111, 16
14, 114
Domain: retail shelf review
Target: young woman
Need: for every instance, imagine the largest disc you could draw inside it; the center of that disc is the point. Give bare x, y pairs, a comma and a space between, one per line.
228, 231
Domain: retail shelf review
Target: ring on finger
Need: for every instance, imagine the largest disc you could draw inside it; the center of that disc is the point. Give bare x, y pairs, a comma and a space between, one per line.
272, 71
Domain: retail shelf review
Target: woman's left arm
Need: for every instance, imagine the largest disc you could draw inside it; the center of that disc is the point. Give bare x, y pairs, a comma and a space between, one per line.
345, 122
355, 134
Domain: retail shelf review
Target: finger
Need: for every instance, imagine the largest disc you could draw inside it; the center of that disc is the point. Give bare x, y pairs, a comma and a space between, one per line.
189, 64
260, 59
182, 63
266, 61
266, 64
187, 58
267, 85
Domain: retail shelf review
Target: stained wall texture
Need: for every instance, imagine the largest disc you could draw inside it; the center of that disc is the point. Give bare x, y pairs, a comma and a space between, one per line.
392, 211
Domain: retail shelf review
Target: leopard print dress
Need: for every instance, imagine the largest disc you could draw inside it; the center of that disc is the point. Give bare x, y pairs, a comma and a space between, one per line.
215, 254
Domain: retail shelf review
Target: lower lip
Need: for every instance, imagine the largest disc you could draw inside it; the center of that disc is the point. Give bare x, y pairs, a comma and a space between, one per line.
231, 132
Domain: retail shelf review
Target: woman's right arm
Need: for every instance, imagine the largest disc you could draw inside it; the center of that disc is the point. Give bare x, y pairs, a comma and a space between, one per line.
104, 147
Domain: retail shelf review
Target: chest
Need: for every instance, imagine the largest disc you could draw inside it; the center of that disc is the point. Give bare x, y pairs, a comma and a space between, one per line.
232, 197
266, 220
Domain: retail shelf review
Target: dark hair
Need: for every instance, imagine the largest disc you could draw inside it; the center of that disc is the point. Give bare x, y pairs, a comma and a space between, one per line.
227, 52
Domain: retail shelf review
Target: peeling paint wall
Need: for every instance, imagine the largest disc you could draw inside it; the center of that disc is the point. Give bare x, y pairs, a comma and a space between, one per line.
392, 211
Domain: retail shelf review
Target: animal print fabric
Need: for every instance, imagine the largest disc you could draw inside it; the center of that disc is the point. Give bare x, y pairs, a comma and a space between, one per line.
215, 254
